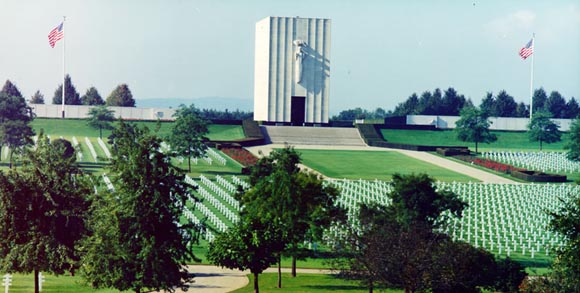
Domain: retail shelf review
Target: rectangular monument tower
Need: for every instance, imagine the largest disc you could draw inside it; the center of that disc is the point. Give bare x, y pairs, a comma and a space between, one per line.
292, 70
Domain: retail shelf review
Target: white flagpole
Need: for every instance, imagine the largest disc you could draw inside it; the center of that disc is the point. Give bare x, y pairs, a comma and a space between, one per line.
532, 76
63, 65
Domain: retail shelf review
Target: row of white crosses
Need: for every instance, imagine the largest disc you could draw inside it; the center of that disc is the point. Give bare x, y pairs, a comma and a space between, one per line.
510, 218
91, 148
76, 145
209, 236
540, 161
210, 215
504, 218
236, 180
104, 147
108, 182
215, 155
218, 205
225, 195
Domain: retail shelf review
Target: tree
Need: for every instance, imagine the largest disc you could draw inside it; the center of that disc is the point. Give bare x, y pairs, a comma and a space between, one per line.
556, 105
100, 117
15, 131
71, 95
188, 133
394, 245
572, 109
296, 200
539, 100
566, 271
452, 103
573, 145
43, 212
37, 98
409, 107
505, 105
522, 110
121, 97
92, 97
251, 244
488, 106
542, 129
145, 247
10, 90
473, 126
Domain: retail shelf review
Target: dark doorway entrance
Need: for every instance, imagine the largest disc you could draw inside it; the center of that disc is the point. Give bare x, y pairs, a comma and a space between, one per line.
298, 110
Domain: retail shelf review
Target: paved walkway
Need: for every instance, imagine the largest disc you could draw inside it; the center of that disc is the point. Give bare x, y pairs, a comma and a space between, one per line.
212, 279
478, 174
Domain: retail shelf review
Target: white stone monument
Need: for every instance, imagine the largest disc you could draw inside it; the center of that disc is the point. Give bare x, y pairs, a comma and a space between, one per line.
292, 70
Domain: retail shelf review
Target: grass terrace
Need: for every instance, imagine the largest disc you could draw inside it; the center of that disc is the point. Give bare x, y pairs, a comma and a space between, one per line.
506, 140
370, 165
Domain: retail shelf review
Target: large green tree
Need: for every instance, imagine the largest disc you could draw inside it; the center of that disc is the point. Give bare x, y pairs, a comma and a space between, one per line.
145, 246
572, 109
188, 133
100, 117
473, 126
121, 96
542, 129
71, 96
505, 105
92, 97
43, 208
15, 116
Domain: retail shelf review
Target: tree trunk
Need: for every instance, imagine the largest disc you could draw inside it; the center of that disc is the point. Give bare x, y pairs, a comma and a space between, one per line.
371, 287
293, 266
279, 271
476, 147
540, 144
189, 162
101, 132
256, 288
36, 288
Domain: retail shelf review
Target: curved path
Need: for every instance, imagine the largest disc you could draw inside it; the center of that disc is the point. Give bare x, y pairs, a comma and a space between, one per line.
478, 174
212, 279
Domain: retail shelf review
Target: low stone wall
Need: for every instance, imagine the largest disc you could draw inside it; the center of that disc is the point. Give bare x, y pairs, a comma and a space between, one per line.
534, 176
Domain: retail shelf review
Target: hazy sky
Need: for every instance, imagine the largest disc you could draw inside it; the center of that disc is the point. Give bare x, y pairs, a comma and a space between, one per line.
381, 52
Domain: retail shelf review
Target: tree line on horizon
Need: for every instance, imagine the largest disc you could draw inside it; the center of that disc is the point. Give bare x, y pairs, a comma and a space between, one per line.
450, 103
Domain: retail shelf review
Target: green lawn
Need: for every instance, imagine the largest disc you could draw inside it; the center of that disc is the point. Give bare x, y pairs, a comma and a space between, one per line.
79, 128
306, 283
55, 284
370, 165
505, 139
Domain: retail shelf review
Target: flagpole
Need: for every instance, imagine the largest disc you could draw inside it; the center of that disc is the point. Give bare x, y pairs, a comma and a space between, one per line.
63, 65
532, 76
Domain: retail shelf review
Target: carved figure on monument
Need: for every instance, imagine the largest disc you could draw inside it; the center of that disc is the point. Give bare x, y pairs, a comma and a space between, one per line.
299, 57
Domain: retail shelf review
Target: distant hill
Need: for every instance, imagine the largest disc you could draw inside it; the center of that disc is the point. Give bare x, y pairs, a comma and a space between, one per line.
217, 103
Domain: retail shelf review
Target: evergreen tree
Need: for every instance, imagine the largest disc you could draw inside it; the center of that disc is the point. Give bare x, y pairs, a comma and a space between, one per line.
121, 96
10, 90
572, 109
37, 98
556, 105
71, 95
92, 97
539, 100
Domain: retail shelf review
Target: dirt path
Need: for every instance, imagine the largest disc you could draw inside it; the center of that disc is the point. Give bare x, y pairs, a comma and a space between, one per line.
478, 174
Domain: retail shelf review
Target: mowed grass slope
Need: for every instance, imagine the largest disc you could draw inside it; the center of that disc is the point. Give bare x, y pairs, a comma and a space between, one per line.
370, 165
511, 140
80, 129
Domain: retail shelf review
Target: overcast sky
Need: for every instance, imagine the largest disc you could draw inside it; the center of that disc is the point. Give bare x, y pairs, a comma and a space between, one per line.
381, 52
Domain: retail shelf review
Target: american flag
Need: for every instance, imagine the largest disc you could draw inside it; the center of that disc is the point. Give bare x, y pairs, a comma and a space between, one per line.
56, 34
527, 50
